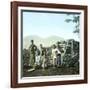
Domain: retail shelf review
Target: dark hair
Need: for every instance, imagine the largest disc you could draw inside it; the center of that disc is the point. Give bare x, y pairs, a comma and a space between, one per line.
31, 40
54, 46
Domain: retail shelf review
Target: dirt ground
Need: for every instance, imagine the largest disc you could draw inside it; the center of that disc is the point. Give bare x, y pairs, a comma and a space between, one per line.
50, 71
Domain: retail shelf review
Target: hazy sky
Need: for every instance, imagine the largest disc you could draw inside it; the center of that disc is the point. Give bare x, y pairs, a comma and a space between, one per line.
48, 24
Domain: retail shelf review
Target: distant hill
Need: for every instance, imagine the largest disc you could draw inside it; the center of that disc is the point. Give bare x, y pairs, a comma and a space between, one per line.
38, 40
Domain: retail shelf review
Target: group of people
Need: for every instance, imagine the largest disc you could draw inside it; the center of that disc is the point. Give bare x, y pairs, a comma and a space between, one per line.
40, 56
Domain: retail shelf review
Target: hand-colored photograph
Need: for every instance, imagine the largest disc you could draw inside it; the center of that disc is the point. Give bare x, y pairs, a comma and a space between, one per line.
50, 43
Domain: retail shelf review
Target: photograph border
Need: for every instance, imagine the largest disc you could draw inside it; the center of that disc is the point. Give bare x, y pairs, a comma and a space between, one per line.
14, 43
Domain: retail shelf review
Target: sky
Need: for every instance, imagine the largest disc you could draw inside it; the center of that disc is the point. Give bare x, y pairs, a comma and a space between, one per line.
48, 24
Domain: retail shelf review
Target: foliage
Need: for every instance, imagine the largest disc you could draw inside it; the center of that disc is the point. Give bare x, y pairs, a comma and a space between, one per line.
70, 61
25, 57
75, 19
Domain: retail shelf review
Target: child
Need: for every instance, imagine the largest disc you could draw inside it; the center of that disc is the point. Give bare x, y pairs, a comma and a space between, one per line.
44, 62
58, 58
37, 61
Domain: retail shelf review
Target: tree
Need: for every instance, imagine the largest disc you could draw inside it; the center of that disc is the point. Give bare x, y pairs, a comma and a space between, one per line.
75, 19
25, 57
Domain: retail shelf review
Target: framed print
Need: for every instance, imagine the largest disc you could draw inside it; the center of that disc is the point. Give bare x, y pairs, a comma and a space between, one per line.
48, 44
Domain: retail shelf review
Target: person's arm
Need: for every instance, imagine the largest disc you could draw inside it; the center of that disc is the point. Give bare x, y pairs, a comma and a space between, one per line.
35, 47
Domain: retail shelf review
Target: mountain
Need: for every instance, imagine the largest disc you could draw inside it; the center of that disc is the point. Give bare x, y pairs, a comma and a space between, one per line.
38, 40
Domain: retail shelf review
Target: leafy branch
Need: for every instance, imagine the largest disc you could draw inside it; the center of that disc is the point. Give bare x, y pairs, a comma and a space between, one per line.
75, 19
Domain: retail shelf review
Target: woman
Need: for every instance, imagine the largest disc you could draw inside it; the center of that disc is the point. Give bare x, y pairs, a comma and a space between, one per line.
54, 55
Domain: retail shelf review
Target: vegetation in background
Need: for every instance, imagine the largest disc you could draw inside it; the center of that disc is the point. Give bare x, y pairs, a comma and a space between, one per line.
69, 66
